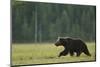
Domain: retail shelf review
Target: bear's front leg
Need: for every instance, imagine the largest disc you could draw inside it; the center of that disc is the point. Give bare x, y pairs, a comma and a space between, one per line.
71, 53
63, 53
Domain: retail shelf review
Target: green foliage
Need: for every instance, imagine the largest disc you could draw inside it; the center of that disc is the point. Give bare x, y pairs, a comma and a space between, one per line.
53, 20
42, 53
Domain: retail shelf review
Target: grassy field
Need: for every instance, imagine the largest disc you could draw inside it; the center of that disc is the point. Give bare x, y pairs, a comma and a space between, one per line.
23, 54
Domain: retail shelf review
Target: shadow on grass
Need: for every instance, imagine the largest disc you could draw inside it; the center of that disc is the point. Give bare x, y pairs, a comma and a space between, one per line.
50, 57
31, 58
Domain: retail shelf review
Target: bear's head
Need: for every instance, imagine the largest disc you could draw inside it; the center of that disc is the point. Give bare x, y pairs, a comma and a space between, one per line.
62, 41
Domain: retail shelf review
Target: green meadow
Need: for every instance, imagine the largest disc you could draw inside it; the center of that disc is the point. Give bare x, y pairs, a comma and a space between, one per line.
42, 53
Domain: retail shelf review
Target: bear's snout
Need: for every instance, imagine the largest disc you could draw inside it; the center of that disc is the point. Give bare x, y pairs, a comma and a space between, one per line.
58, 43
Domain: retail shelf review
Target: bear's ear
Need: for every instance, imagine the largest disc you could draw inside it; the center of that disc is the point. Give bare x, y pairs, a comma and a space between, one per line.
62, 39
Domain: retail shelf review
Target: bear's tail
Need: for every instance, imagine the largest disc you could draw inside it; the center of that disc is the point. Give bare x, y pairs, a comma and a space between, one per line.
86, 51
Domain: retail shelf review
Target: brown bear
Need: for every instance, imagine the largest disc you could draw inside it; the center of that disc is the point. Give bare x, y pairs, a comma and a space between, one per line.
72, 45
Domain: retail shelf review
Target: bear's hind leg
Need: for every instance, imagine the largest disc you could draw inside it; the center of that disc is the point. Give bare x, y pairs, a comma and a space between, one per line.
78, 53
87, 52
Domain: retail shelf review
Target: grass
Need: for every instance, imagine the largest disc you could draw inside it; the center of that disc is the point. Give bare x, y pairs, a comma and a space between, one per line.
43, 53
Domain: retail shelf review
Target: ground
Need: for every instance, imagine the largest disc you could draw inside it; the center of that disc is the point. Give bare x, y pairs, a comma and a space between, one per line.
23, 54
